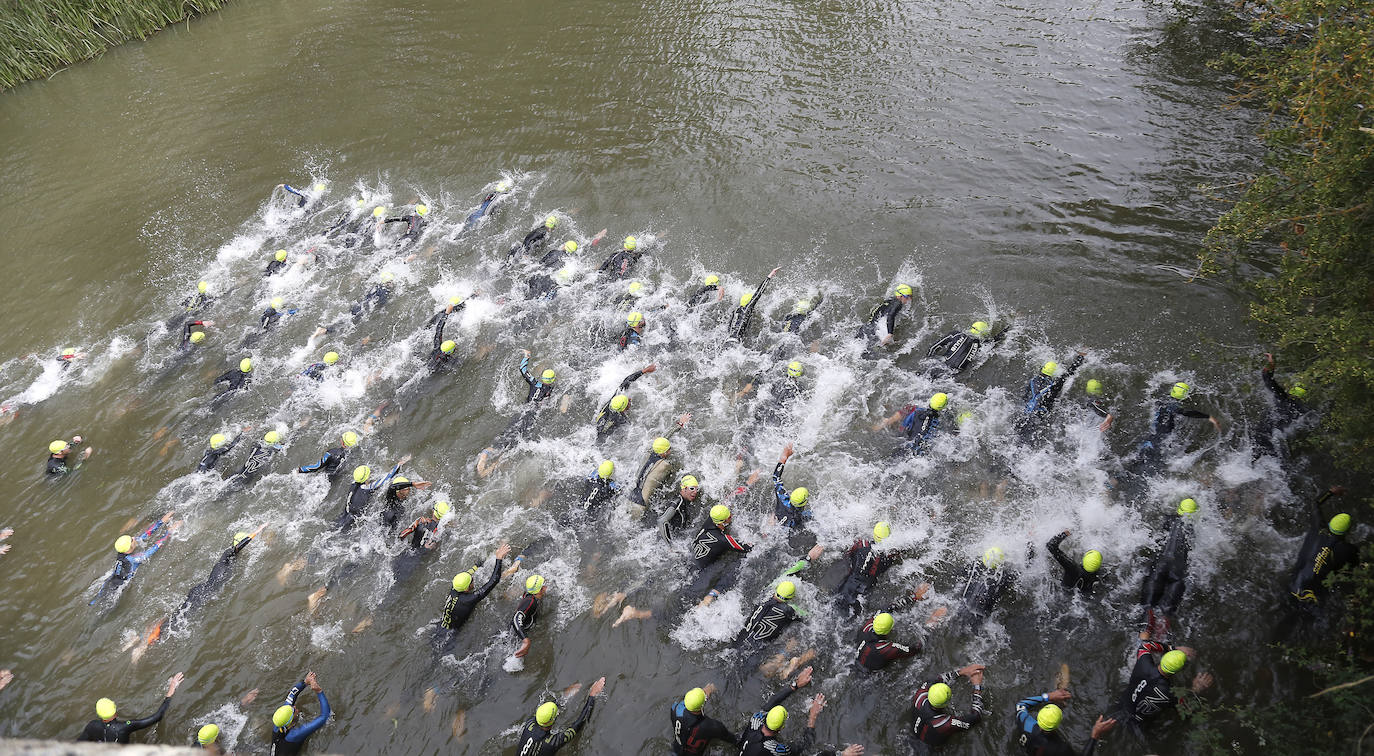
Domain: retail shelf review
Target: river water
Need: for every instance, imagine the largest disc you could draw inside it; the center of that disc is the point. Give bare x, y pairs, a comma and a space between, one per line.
1034, 165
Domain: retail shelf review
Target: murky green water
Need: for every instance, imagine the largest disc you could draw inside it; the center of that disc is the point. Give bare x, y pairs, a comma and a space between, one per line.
1032, 164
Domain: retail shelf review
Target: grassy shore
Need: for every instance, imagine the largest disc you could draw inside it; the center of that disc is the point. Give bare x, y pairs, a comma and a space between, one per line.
38, 37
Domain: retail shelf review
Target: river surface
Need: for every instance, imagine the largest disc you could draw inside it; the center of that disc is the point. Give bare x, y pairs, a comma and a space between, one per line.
1035, 165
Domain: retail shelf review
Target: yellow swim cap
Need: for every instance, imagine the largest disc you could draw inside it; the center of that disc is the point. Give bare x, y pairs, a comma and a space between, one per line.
272, 437
630, 243
777, 717
661, 446
720, 513
695, 699
105, 709
441, 508
197, 337
361, 473
462, 581
534, 583
546, 713
203, 287
605, 470
218, 440
422, 210
280, 256
350, 439
124, 544
283, 716
331, 357
245, 365
208, 734
57, 447
378, 211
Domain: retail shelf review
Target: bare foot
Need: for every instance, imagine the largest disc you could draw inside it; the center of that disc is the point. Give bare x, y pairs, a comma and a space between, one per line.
430, 698
6, 677
460, 725
313, 601
249, 697
937, 615
604, 602
631, 613
571, 690
288, 568
363, 625
773, 665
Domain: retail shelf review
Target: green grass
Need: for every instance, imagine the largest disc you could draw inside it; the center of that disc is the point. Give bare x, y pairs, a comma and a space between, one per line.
38, 37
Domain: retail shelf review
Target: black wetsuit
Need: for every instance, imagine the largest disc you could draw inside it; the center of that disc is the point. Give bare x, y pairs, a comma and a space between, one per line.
887, 313
375, 299
701, 296
1149, 693
919, 425
1042, 391
753, 741
772, 410
58, 465
211, 457
186, 331
392, 504
1075, 576
876, 651
328, 463
1035, 741
532, 244
710, 543
461, 604
538, 740
934, 727
679, 512
983, 590
525, 614
693, 731
740, 316
235, 379
1162, 426
437, 361
596, 491
538, 390
767, 621
1267, 437
619, 263
865, 565
788, 515
118, 730
607, 420
1322, 554
206, 590
1167, 577
275, 266
197, 302
269, 318
956, 350
258, 459
415, 225
359, 495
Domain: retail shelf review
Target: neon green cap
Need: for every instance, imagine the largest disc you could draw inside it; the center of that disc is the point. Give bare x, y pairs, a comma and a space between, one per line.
939, 401
280, 256
283, 716
218, 440
605, 470
1180, 390
777, 717
881, 531
938, 695
534, 583
882, 623
207, 734
1092, 560
720, 513
798, 496
1049, 717
1339, 524
1172, 662
546, 713
462, 581
620, 403
361, 474
695, 699
661, 446
105, 709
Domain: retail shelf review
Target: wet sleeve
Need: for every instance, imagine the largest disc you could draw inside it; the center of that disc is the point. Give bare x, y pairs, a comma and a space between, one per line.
520, 622
316, 466
139, 724
439, 321
295, 691
225, 376
779, 697
299, 734
1058, 554
491, 582
891, 319
1267, 376
714, 729
631, 378
1024, 706
778, 487
583, 717
1186, 412
525, 370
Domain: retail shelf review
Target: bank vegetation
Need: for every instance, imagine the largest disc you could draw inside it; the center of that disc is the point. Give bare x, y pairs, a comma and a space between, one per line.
1300, 235
38, 37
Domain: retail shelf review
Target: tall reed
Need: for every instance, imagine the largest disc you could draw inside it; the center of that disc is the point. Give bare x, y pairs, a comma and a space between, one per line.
38, 37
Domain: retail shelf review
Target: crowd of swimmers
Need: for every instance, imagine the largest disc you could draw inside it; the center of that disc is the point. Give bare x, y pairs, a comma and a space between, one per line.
671, 502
